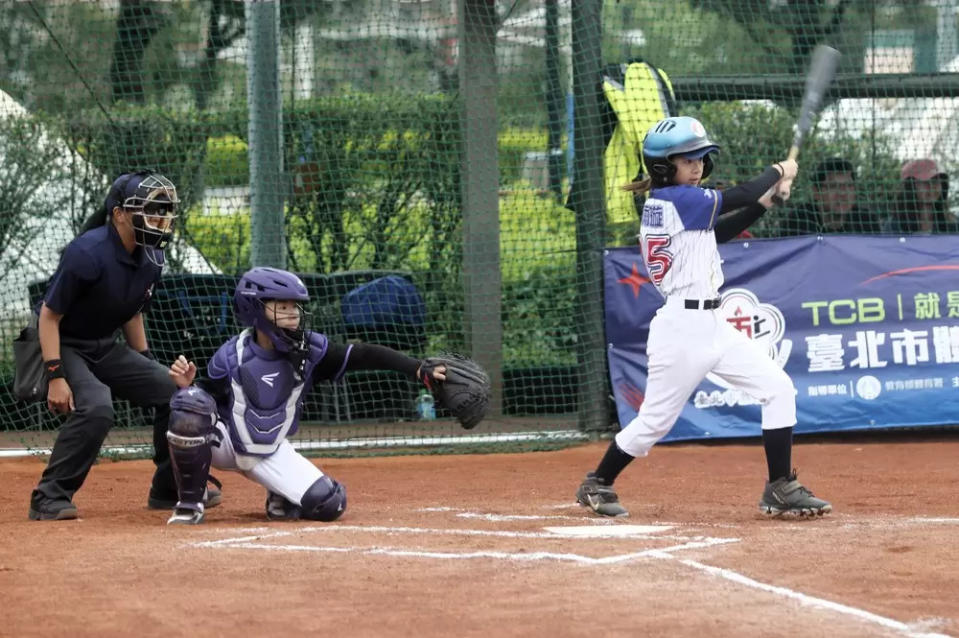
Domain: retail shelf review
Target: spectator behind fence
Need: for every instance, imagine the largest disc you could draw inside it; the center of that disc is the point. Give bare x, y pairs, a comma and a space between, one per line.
921, 204
833, 208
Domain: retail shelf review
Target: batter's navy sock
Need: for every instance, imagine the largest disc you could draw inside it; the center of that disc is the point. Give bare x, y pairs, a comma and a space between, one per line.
614, 461
779, 447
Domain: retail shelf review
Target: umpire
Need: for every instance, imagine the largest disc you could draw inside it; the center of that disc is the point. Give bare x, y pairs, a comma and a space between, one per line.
102, 286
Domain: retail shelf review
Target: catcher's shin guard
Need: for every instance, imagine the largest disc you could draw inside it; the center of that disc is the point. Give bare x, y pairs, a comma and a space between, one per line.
190, 436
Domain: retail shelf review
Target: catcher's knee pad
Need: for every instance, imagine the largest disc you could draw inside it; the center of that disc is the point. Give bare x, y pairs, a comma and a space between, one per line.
190, 432
325, 500
192, 415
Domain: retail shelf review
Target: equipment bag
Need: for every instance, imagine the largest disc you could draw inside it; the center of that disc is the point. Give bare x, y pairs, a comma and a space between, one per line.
29, 380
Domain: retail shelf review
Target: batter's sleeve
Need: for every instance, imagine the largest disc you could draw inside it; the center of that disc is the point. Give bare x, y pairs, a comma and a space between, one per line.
697, 207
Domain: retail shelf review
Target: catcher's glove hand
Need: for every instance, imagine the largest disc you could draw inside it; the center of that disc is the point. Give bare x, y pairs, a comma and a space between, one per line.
466, 390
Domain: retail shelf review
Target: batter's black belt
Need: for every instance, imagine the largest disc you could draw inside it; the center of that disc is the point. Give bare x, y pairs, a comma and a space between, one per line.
704, 304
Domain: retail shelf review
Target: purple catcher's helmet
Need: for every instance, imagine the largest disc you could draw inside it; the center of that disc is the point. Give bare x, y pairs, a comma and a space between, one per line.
260, 285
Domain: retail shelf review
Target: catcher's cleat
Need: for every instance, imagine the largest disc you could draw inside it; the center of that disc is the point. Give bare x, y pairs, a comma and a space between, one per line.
599, 497
60, 510
186, 514
211, 497
787, 497
280, 509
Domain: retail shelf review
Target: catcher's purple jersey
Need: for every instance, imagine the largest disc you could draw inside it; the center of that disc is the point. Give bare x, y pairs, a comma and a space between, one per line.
266, 393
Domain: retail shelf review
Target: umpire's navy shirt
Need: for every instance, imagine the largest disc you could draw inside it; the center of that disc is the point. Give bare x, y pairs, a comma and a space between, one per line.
99, 286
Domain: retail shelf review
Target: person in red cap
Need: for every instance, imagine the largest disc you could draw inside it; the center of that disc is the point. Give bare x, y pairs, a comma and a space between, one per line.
922, 203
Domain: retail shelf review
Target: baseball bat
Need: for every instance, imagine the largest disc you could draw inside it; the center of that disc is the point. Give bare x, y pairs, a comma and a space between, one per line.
822, 70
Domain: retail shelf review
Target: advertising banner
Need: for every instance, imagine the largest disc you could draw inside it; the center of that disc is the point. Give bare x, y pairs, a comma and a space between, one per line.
867, 327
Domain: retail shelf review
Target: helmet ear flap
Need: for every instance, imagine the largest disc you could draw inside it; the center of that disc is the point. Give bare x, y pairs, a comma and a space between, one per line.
707, 165
661, 171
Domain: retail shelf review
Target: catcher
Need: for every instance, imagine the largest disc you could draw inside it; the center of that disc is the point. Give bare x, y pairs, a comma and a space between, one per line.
239, 417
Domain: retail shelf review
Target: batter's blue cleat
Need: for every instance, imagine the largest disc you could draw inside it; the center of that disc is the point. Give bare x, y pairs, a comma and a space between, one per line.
599, 497
787, 497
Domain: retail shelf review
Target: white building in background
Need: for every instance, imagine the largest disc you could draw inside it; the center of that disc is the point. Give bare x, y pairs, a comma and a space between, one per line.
32, 256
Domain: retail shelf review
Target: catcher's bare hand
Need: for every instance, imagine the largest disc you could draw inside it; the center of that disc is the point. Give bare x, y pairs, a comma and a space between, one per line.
182, 372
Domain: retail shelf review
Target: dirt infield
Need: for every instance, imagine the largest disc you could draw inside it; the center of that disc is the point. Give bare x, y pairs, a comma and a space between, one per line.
493, 545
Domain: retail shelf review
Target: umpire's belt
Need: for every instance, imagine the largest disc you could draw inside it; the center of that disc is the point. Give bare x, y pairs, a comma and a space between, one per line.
705, 304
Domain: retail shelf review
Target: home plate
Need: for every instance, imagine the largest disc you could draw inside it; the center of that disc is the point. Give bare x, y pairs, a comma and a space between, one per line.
607, 531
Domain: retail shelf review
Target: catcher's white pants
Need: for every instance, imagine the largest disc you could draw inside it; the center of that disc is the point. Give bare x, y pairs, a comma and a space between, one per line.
285, 472
684, 345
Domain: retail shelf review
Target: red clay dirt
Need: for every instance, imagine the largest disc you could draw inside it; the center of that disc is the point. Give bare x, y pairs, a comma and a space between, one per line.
456, 546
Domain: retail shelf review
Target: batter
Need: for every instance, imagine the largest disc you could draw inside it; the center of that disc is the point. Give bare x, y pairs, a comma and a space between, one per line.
688, 338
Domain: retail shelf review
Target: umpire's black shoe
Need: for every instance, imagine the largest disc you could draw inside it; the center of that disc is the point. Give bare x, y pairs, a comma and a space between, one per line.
61, 510
211, 498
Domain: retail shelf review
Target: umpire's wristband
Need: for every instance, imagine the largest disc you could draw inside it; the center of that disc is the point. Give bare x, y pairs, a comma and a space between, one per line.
149, 355
53, 369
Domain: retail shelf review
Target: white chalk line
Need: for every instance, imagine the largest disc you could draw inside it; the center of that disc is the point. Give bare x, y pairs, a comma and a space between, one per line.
509, 556
915, 630
804, 599
379, 529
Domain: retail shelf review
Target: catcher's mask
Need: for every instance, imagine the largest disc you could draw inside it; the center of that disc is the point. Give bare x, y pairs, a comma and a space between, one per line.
261, 285
152, 201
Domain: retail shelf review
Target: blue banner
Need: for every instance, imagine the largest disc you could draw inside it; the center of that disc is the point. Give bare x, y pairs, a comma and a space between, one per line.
866, 326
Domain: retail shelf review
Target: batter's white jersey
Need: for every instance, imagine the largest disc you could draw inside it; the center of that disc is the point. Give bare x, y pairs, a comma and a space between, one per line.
685, 344
678, 242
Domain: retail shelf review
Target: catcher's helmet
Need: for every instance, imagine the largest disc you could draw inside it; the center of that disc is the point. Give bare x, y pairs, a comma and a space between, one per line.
676, 136
263, 284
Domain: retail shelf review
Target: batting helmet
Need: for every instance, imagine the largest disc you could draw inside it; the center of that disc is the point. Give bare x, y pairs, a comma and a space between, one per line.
673, 137
263, 284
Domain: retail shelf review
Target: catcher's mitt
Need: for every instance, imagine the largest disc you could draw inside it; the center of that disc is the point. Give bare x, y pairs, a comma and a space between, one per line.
466, 390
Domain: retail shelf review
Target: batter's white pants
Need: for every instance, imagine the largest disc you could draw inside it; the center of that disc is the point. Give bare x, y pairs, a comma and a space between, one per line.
684, 345
285, 472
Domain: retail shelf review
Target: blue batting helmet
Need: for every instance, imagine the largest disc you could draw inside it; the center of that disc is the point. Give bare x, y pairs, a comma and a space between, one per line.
674, 137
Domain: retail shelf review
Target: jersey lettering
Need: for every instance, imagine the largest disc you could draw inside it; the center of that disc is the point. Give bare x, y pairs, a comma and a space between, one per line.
653, 216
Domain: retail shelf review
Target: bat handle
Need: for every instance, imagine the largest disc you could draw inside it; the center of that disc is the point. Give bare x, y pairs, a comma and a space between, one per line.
793, 154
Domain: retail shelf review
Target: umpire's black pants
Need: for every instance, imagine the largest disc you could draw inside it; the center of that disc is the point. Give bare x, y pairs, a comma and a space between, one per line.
98, 370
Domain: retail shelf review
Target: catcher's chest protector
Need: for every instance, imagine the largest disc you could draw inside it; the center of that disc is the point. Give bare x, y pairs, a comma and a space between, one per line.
266, 397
